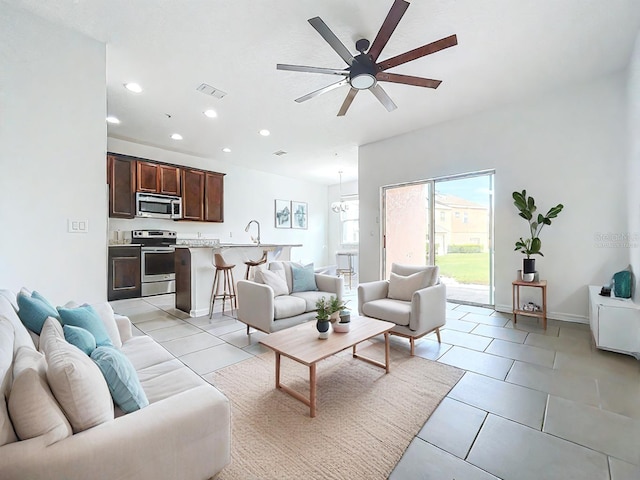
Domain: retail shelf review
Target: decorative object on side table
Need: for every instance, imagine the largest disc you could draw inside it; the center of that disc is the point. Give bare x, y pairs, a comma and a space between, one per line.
322, 317
526, 205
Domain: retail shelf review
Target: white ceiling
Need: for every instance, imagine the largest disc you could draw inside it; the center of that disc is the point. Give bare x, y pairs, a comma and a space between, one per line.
507, 49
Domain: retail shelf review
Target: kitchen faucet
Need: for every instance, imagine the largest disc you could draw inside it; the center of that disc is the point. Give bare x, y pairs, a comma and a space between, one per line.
257, 240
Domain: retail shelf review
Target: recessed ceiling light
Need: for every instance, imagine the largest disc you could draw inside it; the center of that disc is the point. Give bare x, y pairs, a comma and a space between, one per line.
226, 150
264, 132
133, 87
112, 119
176, 136
210, 113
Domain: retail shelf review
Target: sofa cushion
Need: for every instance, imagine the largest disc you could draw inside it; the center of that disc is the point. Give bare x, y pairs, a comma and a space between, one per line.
86, 317
142, 351
7, 435
167, 379
402, 288
276, 280
33, 408
311, 298
396, 311
303, 278
81, 338
121, 378
75, 380
286, 306
34, 310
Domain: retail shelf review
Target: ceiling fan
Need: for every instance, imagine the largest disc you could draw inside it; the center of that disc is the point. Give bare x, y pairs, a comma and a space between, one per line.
364, 72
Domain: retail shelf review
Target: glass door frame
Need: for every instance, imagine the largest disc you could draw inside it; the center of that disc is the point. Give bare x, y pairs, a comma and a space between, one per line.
431, 182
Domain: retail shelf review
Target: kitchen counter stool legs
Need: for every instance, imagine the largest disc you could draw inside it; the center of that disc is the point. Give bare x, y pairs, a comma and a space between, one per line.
224, 270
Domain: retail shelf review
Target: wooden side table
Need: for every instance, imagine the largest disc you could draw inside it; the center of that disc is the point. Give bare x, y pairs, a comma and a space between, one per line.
517, 309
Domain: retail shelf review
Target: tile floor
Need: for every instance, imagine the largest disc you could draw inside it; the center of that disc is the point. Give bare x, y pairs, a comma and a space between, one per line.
533, 404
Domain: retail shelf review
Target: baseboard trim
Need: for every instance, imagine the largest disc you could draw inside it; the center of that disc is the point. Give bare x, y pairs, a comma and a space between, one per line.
565, 317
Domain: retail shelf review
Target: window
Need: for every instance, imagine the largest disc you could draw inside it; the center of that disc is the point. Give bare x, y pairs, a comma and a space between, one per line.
442, 218
465, 217
349, 223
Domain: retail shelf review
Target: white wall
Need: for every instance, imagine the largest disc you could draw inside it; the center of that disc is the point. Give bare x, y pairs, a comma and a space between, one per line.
52, 150
633, 176
248, 194
567, 147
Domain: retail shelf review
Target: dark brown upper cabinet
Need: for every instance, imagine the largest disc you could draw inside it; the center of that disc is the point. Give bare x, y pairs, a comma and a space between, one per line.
121, 177
214, 197
193, 194
157, 178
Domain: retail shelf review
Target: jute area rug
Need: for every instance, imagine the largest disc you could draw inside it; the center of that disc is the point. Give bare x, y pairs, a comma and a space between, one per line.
365, 418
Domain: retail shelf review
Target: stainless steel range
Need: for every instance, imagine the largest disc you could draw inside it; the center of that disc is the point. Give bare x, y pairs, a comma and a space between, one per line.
157, 265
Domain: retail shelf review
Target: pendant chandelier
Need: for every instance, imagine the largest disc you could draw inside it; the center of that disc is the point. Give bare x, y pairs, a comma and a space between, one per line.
340, 206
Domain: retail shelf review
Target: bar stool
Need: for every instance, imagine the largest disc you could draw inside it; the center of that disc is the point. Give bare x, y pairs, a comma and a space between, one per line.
228, 284
255, 263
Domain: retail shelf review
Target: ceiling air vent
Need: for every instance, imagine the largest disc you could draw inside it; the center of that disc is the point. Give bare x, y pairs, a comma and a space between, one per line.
279, 153
209, 90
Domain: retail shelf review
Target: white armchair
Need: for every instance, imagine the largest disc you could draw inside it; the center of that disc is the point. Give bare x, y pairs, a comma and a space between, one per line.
413, 298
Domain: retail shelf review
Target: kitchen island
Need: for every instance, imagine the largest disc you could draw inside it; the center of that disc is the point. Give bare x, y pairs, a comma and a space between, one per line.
195, 269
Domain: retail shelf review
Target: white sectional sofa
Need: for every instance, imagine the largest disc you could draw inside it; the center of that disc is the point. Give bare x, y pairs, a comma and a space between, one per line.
272, 302
183, 433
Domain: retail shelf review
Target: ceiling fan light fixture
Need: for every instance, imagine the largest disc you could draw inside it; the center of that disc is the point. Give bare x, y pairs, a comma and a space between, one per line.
363, 81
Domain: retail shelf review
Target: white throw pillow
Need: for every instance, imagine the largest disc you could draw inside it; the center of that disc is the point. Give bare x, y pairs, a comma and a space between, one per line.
76, 382
275, 280
7, 435
33, 409
402, 288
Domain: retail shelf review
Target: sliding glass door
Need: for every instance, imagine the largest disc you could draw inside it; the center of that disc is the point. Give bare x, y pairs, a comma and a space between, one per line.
457, 213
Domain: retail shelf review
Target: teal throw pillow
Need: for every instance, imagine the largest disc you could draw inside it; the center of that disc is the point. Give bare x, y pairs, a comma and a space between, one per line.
81, 338
86, 317
121, 378
34, 310
304, 279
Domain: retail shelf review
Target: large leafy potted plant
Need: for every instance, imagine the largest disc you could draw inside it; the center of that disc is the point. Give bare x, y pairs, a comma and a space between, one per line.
526, 205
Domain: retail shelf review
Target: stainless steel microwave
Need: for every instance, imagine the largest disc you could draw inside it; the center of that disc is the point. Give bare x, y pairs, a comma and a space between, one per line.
151, 205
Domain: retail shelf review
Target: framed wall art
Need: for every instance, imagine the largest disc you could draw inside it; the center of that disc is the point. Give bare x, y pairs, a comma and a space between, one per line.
299, 214
282, 214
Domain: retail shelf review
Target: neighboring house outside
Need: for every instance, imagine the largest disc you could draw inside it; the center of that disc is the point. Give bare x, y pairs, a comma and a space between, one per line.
460, 222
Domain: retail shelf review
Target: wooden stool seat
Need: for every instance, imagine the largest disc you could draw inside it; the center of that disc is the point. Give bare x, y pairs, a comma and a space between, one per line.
228, 284
255, 263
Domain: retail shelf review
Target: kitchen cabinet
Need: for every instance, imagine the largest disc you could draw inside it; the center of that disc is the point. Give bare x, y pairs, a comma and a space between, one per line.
121, 176
157, 178
202, 195
124, 279
214, 197
193, 182
183, 279
615, 323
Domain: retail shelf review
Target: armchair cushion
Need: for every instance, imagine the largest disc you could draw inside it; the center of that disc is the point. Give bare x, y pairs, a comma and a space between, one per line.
402, 288
286, 306
391, 310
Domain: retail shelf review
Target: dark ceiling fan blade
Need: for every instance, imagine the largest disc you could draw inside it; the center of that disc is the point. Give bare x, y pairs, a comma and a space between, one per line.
388, 26
385, 99
418, 52
347, 101
331, 39
322, 90
302, 68
407, 80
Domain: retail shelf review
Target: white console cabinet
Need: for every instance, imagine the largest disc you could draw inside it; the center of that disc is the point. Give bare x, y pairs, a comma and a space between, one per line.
615, 323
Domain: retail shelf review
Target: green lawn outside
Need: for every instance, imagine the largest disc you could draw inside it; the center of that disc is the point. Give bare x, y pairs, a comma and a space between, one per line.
465, 267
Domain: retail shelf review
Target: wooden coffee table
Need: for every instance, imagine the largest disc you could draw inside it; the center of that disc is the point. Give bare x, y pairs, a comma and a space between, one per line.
301, 343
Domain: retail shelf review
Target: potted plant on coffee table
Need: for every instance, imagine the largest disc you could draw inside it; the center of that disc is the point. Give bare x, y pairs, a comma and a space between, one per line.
322, 317
526, 206
340, 318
